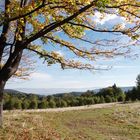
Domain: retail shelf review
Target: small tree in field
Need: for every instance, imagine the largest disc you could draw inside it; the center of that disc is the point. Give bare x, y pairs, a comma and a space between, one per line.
24, 22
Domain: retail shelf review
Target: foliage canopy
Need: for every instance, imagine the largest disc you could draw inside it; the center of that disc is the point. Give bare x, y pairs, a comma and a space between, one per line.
57, 23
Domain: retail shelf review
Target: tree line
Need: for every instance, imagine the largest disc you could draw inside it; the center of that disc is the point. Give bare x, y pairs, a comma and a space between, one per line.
105, 95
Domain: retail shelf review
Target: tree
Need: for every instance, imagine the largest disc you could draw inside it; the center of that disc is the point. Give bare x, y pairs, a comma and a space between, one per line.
10, 104
106, 91
23, 22
108, 99
138, 87
102, 100
89, 100
121, 97
63, 103
138, 81
52, 104
96, 100
33, 104
42, 104
25, 104
18, 104
88, 94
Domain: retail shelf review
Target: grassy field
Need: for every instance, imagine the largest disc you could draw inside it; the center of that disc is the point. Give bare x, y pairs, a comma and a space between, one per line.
119, 122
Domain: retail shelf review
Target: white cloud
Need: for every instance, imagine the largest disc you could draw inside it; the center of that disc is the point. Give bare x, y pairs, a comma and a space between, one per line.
124, 66
41, 76
106, 18
60, 53
103, 18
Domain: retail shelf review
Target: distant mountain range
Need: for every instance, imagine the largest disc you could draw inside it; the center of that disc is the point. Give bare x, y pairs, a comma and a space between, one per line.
50, 91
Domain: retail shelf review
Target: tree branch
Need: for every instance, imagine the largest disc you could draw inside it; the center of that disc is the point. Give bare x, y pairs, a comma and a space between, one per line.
47, 29
84, 53
66, 63
96, 30
130, 13
122, 5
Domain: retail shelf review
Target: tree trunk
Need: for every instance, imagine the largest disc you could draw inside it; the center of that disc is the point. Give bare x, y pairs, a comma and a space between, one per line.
2, 84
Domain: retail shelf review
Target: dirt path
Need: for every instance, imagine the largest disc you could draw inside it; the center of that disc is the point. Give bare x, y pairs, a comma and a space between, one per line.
105, 105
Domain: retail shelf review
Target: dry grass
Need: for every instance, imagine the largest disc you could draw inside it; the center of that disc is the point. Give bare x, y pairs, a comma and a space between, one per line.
119, 122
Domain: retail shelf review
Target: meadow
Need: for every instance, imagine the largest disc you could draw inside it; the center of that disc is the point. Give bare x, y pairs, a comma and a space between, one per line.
115, 122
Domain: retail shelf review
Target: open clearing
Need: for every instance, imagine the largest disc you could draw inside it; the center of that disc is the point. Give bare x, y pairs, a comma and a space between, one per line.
97, 122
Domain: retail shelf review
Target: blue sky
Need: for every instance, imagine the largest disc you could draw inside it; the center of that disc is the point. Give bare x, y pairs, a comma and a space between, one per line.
123, 72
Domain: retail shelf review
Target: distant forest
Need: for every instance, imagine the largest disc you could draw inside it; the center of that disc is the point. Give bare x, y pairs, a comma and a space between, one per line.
105, 95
